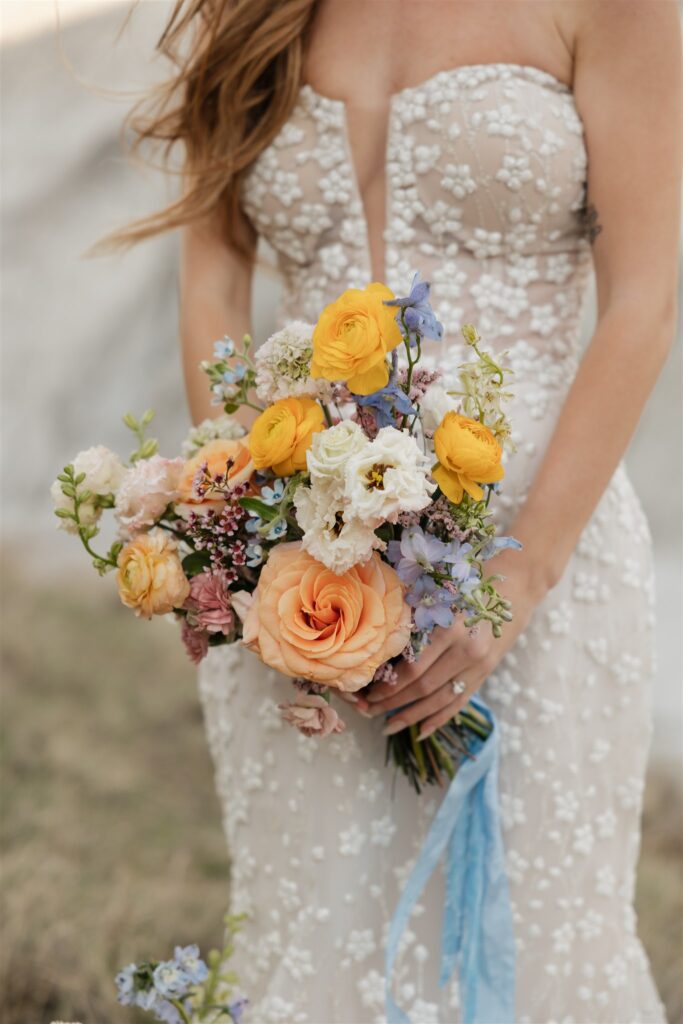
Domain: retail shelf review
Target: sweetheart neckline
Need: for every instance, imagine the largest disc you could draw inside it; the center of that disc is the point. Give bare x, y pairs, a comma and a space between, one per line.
539, 74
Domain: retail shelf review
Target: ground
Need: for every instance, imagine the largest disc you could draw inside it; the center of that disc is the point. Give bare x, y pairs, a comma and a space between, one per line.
112, 847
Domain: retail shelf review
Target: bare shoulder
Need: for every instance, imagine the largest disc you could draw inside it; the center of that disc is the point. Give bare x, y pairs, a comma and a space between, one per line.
628, 30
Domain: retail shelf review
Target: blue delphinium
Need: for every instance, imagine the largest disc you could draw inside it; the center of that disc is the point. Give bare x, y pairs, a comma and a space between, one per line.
418, 314
496, 544
189, 961
433, 604
385, 403
224, 349
418, 552
170, 980
125, 983
237, 1008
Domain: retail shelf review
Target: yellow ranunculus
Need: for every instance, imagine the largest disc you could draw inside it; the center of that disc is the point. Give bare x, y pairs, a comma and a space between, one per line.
281, 436
150, 577
468, 455
352, 338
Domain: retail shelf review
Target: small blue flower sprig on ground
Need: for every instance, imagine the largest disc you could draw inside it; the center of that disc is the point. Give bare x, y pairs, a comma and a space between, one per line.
186, 989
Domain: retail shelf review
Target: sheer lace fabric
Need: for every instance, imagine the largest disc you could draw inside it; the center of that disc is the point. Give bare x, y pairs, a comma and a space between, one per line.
486, 169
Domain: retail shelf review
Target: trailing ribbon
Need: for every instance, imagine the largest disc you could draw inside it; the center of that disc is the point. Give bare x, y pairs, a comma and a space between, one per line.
477, 935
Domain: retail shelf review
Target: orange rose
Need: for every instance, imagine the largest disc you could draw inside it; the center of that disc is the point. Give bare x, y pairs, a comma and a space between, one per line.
150, 577
216, 454
468, 455
334, 629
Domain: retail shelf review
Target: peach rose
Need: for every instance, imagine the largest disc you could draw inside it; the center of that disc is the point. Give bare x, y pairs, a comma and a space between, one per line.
150, 577
307, 621
312, 716
216, 454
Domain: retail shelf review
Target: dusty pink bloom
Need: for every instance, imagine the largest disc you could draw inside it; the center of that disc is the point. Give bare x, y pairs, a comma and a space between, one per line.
386, 673
196, 642
208, 606
312, 716
145, 491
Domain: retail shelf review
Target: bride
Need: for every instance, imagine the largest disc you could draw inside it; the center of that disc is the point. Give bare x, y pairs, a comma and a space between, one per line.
505, 150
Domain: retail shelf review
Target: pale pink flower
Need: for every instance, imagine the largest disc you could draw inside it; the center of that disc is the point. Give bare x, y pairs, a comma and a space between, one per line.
196, 642
208, 605
312, 716
146, 490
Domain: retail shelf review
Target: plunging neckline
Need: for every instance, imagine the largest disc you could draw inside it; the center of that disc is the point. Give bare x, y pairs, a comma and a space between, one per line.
537, 74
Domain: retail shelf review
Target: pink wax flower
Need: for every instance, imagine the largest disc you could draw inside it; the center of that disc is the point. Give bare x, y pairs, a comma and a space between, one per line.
208, 606
312, 716
196, 642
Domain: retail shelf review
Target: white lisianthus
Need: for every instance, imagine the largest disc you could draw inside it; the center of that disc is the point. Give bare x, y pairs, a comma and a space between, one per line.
332, 534
331, 449
283, 366
103, 472
434, 405
388, 477
222, 428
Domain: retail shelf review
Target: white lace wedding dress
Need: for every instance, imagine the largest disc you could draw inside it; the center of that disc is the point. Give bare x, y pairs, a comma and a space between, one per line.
485, 172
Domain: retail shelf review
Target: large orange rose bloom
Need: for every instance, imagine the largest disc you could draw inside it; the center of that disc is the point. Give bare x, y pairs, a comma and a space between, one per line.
334, 629
352, 338
468, 455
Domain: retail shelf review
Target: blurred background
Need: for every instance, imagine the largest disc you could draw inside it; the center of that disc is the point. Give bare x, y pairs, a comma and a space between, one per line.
111, 842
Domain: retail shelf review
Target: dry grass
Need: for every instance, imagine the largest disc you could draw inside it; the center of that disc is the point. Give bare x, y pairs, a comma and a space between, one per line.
112, 846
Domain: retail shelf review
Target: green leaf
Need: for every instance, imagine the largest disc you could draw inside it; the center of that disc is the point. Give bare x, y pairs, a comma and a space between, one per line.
79, 479
131, 422
266, 512
69, 490
84, 496
148, 448
147, 417
63, 513
195, 562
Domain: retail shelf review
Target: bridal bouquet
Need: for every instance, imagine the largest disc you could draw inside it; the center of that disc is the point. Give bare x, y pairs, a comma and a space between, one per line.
336, 535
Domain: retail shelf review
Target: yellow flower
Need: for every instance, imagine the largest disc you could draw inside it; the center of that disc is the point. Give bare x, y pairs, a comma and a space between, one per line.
150, 577
352, 338
468, 455
281, 436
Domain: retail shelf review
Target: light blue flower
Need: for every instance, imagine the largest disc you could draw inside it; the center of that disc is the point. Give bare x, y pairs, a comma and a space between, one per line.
235, 374
417, 313
170, 979
461, 567
277, 531
125, 983
497, 544
385, 403
166, 1012
237, 1008
418, 552
254, 555
147, 999
188, 959
224, 349
273, 495
433, 604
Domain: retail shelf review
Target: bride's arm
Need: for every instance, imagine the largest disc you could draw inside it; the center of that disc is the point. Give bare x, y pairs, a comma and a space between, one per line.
628, 91
215, 299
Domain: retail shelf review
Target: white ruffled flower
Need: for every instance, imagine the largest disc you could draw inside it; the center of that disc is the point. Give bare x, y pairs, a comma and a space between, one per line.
331, 449
104, 473
222, 428
283, 366
388, 477
332, 534
147, 489
434, 405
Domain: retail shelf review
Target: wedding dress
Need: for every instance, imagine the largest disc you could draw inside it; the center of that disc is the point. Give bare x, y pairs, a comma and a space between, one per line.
485, 173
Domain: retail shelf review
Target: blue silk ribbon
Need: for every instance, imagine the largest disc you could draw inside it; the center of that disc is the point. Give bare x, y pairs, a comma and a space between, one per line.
477, 935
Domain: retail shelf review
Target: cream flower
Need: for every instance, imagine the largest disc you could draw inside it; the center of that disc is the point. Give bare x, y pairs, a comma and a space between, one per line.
332, 534
222, 428
103, 471
283, 366
147, 488
88, 513
434, 405
332, 448
388, 477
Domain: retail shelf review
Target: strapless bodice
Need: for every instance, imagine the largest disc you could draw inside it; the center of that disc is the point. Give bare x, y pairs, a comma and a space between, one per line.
485, 191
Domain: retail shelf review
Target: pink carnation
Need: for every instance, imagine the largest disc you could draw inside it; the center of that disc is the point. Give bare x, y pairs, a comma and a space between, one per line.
196, 642
147, 488
312, 716
208, 605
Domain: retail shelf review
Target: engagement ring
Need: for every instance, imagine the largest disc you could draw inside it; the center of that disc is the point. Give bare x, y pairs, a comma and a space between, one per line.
458, 686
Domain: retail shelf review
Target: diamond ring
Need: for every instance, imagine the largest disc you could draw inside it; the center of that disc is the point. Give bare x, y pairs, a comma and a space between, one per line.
458, 686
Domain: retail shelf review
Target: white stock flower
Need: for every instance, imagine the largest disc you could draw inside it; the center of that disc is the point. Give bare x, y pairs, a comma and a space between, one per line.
331, 449
103, 472
388, 477
283, 366
332, 534
434, 405
223, 428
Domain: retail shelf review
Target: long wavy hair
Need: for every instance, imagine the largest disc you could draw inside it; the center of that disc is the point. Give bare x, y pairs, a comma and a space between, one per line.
238, 67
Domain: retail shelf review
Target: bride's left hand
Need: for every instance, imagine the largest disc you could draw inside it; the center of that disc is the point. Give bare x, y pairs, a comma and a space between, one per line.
424, 690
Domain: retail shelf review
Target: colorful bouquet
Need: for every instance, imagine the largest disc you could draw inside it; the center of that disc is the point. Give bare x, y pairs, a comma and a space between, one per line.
185, 989
336, 535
